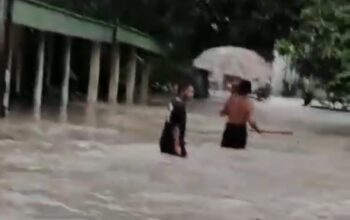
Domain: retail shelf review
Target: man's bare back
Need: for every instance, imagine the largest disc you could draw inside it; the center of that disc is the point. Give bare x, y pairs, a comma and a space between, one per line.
238, 109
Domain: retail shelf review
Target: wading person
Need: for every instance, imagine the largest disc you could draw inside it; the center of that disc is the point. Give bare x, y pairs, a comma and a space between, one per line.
239, 110
307, 92
172, 140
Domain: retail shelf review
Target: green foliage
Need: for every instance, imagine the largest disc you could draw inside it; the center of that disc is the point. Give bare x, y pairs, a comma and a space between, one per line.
341, 84
319, 47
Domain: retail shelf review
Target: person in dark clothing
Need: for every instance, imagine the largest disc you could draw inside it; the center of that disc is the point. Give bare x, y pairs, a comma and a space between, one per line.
172, 140
240, 111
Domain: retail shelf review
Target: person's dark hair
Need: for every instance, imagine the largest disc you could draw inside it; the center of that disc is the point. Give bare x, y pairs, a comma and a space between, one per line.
182, 86
244, 88
235, 86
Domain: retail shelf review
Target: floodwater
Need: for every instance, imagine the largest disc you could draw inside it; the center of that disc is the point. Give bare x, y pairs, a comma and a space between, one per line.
106, 165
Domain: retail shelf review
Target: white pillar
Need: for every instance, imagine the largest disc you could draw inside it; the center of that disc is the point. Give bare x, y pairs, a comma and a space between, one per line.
146, 73
14, 43
66, 77
8, 81
94, 73
114, 79
38, 87
131, 77
4, 38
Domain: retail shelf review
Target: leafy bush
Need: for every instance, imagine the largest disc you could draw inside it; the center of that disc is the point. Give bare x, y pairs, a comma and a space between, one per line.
319, 47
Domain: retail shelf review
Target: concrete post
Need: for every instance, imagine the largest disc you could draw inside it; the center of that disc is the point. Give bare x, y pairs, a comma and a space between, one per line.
66, 77
2, 55
146, 73
8, 81
131, 77
5, 22
94, 73
14, 44
114, 79
38, 87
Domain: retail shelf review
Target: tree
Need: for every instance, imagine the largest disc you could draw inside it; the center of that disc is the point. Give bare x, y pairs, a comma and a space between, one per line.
319, 47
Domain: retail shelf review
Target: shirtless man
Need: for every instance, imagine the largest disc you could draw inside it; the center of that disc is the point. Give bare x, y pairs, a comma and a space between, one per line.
239, 110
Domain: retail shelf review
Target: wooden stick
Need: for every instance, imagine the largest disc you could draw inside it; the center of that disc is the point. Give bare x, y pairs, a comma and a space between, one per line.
276, 132
279, 132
